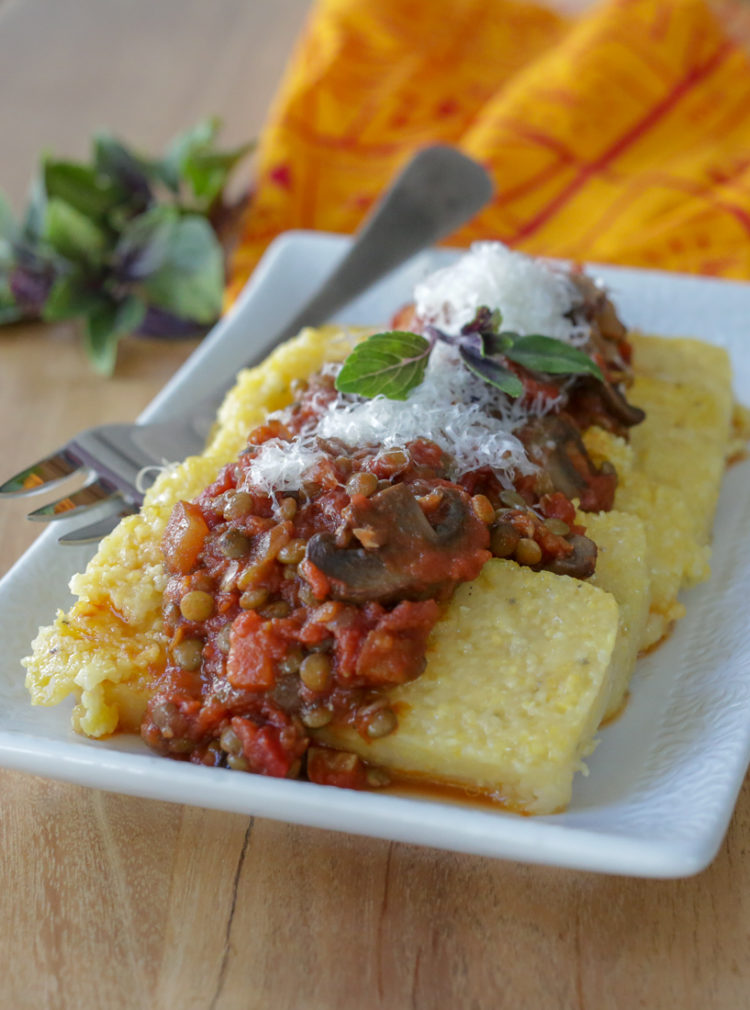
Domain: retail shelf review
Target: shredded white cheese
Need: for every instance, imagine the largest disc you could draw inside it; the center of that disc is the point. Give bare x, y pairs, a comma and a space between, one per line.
533, 295
468, 418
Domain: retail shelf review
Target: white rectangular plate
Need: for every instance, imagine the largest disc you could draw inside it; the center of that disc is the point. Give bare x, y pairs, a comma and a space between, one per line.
664, 779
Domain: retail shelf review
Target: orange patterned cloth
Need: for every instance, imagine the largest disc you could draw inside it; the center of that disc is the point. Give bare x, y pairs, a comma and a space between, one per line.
621, 136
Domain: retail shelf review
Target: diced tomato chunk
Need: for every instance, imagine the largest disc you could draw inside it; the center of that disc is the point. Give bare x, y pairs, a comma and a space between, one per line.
184, 537
392, 650
557, 506
336, 768
253, 647
263, 749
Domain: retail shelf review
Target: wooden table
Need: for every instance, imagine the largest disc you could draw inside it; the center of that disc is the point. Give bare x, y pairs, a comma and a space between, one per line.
111, 902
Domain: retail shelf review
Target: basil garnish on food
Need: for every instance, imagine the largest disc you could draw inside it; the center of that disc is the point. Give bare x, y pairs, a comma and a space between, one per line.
389, 364
546, 354
392, 363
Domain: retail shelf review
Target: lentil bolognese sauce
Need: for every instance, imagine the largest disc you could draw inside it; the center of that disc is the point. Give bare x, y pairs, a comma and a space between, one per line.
301, 591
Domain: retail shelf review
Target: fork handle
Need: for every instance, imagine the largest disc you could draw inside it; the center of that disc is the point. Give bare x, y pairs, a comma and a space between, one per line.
437, 191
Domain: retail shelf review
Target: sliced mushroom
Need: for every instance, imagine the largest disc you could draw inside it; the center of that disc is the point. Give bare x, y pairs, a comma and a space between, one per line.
414, 559
616, 404
581, 563
554, 442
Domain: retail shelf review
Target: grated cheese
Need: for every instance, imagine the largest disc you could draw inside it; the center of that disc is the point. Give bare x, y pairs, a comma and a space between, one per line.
533, 295
470, 420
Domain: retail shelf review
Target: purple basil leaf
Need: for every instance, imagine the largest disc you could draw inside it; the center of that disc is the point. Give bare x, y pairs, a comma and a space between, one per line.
486, 320
144, 243
30, 285
161, 323
125, 168
491, 371
433, 333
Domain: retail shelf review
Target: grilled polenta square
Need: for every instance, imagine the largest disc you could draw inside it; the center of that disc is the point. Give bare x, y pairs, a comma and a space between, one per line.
622, 569
517, 680
684, 440
674, 556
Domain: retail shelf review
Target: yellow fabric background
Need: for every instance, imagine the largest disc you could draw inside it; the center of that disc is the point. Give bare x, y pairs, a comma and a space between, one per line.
621, 136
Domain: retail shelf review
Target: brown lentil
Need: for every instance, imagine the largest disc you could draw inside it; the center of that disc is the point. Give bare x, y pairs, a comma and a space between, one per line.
306, 596
377, 778
234, 544
279, 608
293, 552
504, 539
222, 639
287, 508
315, 671
197, 605
364, 483
188, 653
238, 504
325, 646
230, 742
381, 723
251, 599
528, 552
513, 499
557, 526
316, 718
290, 663
483, 508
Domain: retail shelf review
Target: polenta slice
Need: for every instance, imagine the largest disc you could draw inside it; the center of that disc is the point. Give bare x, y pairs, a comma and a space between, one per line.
684, 440
622, 569
517, 680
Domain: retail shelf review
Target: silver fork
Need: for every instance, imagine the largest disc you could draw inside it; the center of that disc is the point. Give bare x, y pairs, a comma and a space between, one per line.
438, 190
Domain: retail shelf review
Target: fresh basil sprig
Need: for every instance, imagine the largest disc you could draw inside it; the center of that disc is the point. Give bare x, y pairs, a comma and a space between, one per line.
386, 363
125, 243
393, 363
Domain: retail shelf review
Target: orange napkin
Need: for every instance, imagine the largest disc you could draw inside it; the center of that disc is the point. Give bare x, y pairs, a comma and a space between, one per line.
622, 136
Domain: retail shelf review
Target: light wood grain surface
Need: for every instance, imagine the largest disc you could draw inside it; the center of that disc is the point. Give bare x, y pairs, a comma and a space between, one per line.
113, 902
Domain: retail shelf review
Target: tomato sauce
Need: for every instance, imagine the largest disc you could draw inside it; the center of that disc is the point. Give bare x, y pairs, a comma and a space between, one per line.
289, 612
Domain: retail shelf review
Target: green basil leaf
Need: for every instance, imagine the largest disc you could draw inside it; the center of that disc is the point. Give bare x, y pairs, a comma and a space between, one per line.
72, 234
82, 187
207, 171
69, 298
547, 354
190, 281
389, 364
105, 325
145, 242
491, 371
198, 137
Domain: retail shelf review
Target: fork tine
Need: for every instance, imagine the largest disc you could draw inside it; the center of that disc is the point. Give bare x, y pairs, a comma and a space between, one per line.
95, 531
74, 504
41, 475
